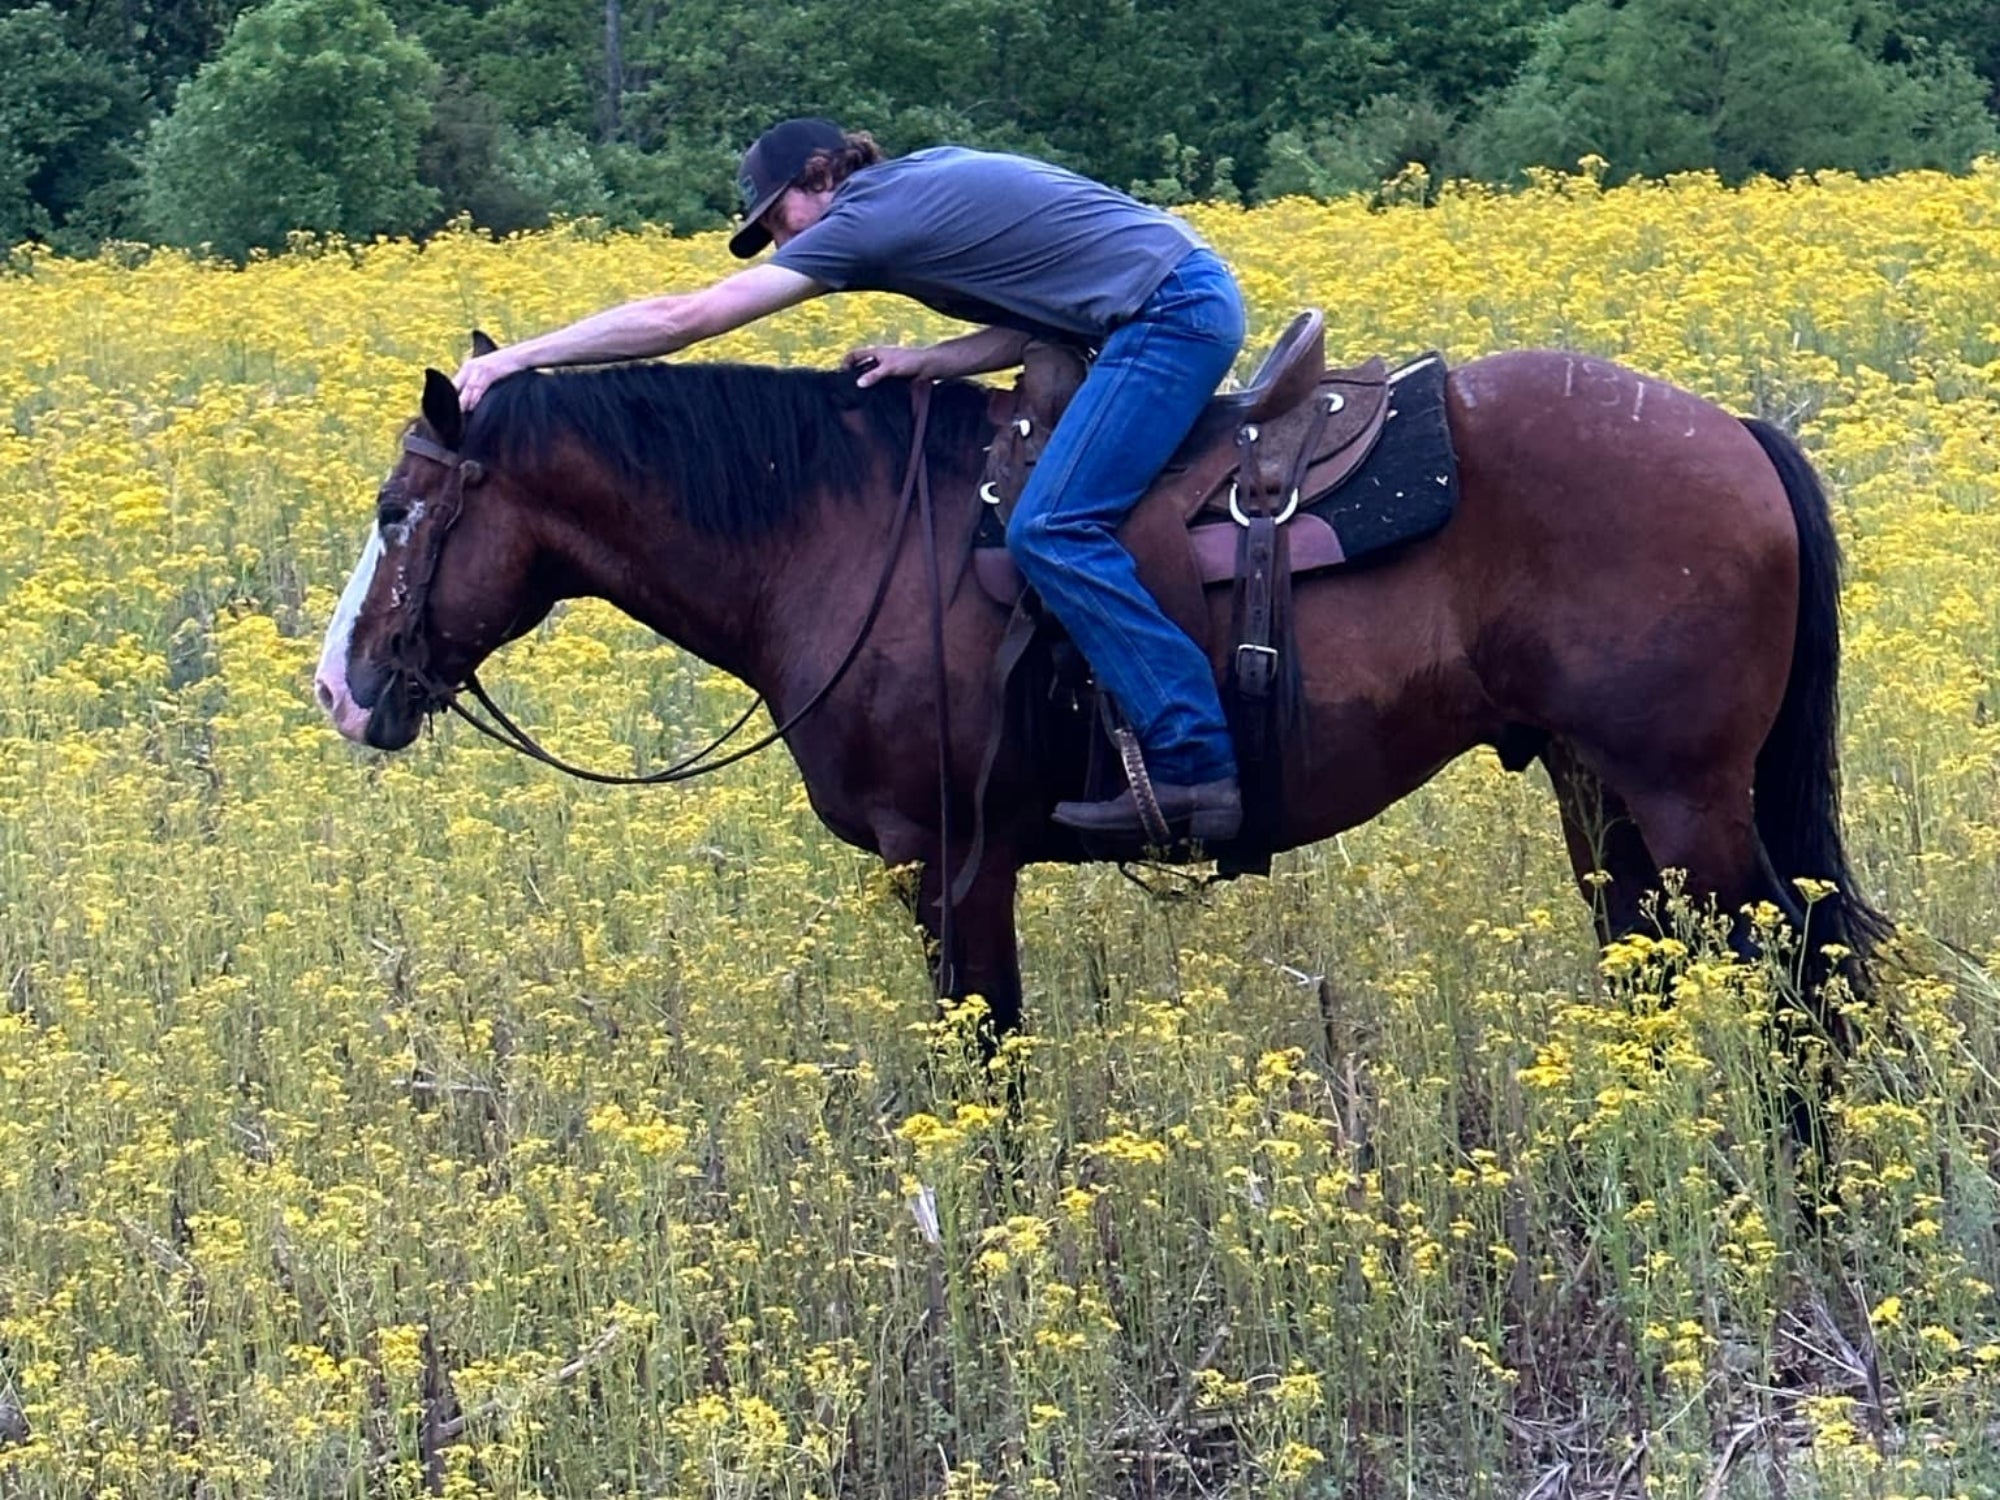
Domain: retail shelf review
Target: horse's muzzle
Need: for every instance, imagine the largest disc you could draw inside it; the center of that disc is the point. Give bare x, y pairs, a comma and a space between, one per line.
393, 723
397, 714
381, 708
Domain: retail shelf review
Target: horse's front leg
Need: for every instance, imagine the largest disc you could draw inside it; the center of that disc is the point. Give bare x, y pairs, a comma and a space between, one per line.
983, 958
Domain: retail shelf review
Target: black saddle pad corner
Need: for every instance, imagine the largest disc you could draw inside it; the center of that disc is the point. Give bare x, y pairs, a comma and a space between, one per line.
1407, 487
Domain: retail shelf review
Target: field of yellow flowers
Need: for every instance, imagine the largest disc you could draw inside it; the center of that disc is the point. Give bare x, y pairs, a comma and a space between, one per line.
378, 1126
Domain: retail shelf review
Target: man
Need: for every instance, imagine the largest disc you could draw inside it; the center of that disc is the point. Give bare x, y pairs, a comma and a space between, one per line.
1026, 250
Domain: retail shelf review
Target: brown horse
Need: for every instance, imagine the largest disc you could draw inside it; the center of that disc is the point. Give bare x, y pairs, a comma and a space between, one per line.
1639, 589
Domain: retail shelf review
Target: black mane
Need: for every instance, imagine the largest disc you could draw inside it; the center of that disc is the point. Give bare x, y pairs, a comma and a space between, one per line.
739, 449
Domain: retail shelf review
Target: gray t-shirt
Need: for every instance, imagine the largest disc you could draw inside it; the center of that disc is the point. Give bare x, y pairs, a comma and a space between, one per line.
996, 239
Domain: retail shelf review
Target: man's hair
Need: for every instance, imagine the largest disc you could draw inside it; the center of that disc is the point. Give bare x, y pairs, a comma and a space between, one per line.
829, 169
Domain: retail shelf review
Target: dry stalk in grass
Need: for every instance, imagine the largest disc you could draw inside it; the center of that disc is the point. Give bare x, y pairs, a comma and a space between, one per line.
440, 1431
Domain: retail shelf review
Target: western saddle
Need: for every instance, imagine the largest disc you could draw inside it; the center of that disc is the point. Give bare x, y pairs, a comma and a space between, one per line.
1230, 507
1258, 434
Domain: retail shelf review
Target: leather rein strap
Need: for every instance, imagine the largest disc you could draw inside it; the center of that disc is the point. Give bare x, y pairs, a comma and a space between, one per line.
413, 650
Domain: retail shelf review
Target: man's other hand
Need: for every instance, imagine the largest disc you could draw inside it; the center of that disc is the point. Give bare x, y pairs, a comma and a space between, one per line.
891, 362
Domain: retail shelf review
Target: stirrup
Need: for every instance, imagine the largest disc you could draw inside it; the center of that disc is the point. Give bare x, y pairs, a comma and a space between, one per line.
1141, 782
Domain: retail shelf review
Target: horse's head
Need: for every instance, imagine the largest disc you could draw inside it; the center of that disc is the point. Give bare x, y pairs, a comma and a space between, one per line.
447, 576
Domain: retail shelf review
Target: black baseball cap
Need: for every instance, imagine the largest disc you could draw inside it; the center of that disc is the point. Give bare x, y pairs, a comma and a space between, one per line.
772, 164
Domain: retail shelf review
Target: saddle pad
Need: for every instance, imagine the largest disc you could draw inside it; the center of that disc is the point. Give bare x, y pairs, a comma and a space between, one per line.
1408, 487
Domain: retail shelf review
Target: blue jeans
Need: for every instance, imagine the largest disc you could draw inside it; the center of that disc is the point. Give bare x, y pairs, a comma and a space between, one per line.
1151, 380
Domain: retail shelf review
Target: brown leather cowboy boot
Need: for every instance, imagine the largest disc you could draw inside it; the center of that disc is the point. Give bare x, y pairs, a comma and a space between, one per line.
1211, 811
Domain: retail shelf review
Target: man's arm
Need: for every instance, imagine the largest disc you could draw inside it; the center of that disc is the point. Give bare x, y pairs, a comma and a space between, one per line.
978, 353
970, 354
643, 329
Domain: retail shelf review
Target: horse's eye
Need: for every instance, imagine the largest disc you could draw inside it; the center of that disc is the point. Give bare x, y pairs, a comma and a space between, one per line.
391, 511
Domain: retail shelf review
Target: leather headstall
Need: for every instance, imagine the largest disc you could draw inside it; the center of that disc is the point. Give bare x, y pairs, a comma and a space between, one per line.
409, 644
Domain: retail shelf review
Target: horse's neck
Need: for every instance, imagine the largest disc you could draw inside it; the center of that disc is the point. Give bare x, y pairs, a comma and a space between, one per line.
760, 607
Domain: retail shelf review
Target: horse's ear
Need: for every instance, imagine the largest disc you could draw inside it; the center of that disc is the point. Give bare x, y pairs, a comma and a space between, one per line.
441, 408
482, 343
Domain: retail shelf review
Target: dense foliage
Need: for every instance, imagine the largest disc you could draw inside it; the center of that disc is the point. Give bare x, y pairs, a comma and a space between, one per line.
634, 110
309, 119
68, 120
1739, 86
431, 1124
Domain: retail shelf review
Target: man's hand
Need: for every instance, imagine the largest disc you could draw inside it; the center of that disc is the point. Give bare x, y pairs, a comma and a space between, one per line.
889, 362
476, 374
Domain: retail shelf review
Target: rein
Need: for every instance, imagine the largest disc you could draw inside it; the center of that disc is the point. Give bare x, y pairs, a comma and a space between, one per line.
413, 651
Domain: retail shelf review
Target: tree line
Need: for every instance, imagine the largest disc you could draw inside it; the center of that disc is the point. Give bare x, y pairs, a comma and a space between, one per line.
232, 124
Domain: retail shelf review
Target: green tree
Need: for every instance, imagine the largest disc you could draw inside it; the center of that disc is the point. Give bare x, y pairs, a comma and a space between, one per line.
1970, 27
1173, 97
1386, 135
1737, 86
460, 159
162, 42
310, 117
1131, 91
1454, 55
68, 120
540, 61
506, 179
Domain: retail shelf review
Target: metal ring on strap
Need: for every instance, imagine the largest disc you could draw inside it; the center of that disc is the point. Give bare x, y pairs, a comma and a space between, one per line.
1236, 508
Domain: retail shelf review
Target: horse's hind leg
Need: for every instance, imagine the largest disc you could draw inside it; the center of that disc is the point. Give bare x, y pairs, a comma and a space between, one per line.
1614, 869
1708, 829
1710, 832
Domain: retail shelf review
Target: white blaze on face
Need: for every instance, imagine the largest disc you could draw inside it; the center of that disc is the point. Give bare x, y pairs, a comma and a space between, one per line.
330, 681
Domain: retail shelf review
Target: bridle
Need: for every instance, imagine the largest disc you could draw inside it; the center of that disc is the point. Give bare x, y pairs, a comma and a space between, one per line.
409, 644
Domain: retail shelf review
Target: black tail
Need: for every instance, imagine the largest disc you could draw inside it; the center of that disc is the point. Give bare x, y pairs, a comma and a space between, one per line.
1798, 770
